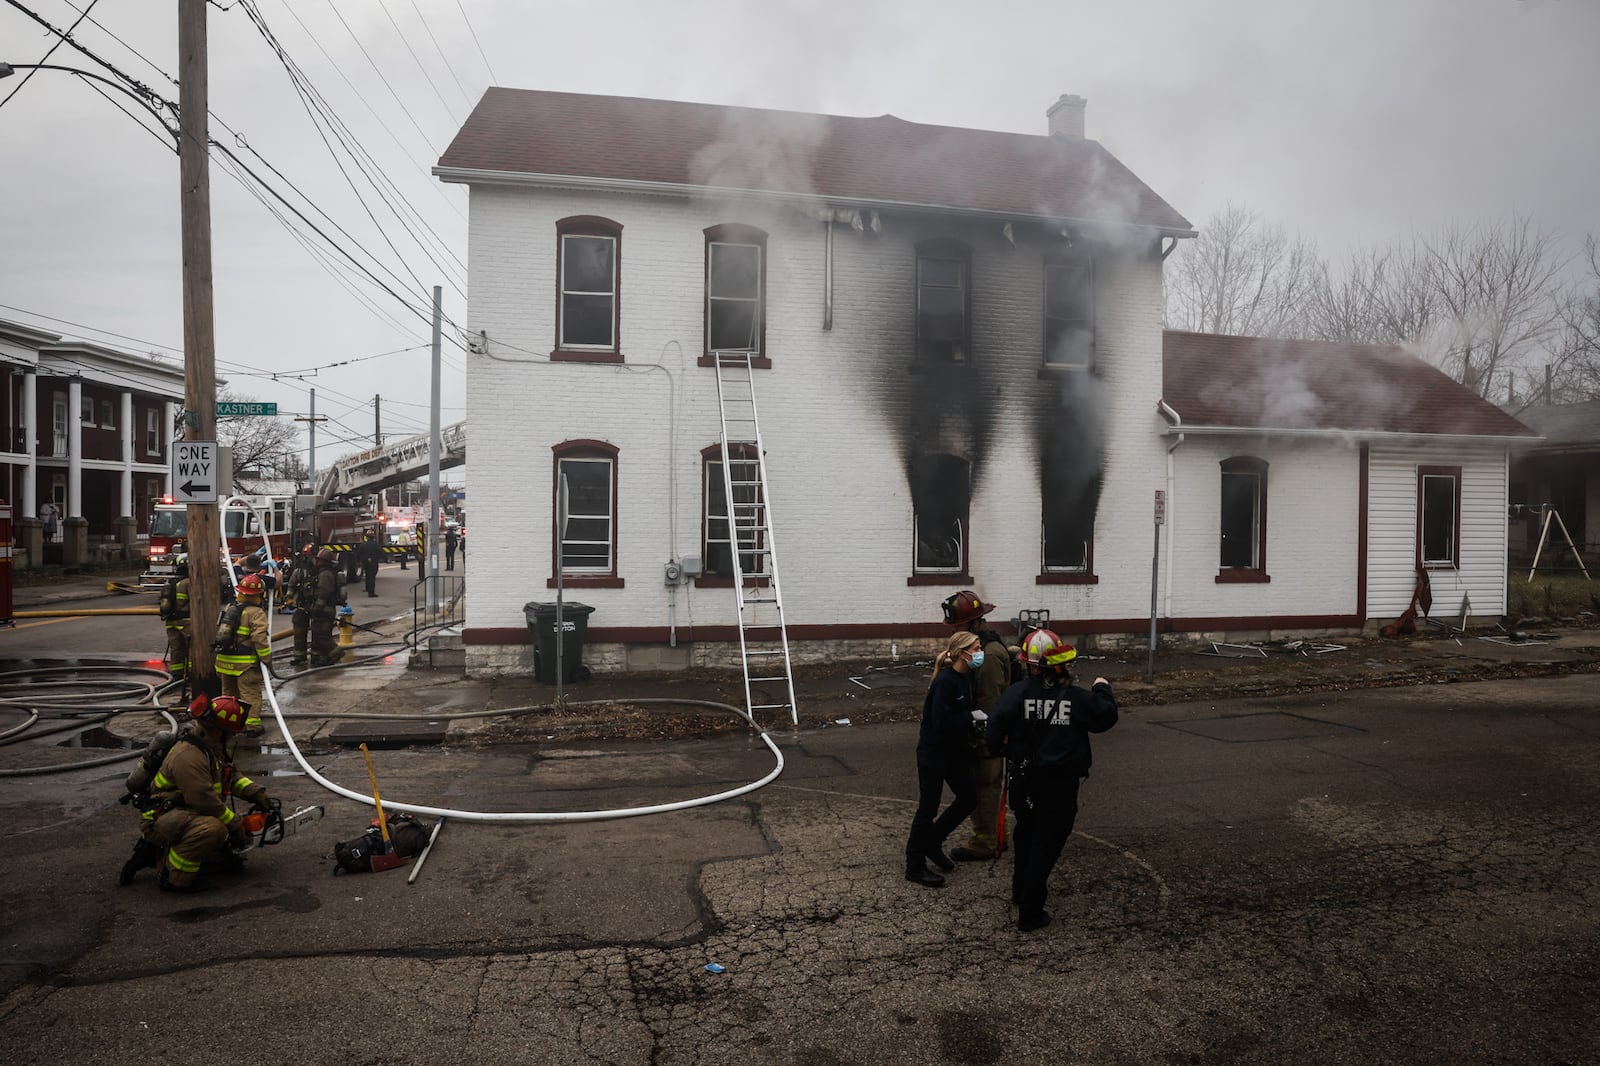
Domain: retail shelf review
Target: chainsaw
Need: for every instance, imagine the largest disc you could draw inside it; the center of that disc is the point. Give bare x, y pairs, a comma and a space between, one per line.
266, 827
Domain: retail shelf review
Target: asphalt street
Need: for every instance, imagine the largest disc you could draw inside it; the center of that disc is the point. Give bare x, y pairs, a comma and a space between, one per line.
1394, 875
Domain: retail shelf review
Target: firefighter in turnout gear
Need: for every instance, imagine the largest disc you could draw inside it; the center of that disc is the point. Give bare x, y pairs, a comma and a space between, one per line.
174, 608
302, 591
1042, 727
188, 818
325, 601
244, 648
966, 611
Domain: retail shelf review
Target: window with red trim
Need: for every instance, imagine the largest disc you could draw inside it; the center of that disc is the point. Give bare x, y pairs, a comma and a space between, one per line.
941, 496
749, 511
586, 549
1243, 533
1068, 504
588, 275
736, 291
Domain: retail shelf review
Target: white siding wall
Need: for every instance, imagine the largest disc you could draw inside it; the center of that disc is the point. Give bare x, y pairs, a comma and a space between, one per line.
1313, 516
832, 410
1392, 535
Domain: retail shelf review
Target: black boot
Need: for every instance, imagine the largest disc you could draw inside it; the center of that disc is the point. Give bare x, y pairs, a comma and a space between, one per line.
921, 875
144, 857
165, 885
940, 859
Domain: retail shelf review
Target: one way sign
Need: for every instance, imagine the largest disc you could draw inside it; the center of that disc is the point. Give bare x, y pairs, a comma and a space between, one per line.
194, 471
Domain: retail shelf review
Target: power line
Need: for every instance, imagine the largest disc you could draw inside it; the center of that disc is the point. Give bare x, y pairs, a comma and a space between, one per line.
452, 70
492, 79
426, 76
374, 66
50, 52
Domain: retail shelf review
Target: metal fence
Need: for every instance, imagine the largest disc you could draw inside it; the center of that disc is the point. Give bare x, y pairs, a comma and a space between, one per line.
437, 602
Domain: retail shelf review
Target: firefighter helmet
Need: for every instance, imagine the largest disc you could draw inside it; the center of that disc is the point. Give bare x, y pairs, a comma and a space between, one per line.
223, 711
251, 585
963, 607
180, 564
1044, 649
326, 555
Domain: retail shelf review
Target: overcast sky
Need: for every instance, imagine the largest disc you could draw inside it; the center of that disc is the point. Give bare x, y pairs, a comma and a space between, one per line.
1349, 121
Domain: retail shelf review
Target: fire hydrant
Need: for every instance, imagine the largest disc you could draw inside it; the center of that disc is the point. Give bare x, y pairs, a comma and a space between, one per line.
347, 628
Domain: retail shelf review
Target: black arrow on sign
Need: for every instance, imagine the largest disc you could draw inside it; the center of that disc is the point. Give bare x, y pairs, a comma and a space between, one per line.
191, 489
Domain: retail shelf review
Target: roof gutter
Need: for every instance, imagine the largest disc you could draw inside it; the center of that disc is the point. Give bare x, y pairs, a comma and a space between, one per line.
471, 175
1383, 436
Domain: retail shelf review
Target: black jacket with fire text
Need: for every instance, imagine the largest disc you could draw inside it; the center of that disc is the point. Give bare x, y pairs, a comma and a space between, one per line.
1046, 723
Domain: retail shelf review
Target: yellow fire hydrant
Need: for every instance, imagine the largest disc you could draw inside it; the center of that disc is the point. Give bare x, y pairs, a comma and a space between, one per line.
347, 629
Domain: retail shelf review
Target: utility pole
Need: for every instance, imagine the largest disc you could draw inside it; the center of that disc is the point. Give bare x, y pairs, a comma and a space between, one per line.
377, 421
311, 477
434, 503
200, 372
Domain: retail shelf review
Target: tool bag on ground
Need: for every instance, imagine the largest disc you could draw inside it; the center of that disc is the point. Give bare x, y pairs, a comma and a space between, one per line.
408, 834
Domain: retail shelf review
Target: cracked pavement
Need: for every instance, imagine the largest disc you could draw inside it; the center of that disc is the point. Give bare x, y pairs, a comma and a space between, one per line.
1393, 875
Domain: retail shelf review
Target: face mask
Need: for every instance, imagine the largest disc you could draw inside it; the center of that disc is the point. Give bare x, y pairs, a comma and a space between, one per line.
977, 658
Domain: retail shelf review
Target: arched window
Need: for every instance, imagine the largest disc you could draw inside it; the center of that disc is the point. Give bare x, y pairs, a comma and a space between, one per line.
586, 550
1243, 534
588, 285
736, 292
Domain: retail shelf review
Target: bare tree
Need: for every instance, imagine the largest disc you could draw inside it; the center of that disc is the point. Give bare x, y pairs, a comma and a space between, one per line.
1241, 276
1498, 291
1575, 369
260, 442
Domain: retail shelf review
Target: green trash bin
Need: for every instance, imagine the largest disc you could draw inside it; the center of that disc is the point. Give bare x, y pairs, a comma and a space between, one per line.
541, 619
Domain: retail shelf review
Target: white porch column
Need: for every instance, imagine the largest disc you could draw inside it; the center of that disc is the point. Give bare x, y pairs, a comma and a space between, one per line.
75, 448
127, 455
30, 438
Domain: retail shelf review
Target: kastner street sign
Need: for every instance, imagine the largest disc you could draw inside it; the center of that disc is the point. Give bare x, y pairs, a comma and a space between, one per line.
234, 409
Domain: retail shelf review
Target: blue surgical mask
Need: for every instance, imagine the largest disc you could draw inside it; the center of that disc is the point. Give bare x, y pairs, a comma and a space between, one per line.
977, 658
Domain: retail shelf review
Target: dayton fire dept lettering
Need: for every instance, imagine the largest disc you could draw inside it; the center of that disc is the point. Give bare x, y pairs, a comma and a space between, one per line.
1052, 712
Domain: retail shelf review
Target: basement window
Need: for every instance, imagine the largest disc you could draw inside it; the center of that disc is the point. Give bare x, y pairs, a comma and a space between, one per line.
1243, 533
944, 304
1438, 516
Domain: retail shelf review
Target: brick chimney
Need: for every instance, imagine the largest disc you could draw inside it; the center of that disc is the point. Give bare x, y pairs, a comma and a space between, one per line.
1066, 117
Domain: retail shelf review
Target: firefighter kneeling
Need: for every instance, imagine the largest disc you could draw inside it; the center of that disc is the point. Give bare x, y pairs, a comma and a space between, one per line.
187, 818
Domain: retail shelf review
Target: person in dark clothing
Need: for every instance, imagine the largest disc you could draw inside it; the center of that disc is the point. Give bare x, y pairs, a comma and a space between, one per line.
303, 591
944, 754
371, 556
966, 610
451, 539
1042, 727
325, 604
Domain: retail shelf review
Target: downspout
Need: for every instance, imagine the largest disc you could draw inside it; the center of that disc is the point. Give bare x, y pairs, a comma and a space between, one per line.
1172, 510
827, 275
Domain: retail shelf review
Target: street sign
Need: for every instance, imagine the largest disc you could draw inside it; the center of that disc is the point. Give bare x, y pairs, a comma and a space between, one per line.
1161, 507
194, 471
234, 410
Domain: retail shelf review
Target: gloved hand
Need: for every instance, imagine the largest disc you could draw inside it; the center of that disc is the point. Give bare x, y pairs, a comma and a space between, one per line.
979, 716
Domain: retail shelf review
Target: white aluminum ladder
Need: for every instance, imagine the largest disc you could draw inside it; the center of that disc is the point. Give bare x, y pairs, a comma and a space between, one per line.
750, 535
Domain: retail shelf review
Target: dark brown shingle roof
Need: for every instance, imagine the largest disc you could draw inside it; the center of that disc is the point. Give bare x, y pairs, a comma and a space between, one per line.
1264, 383
882, 160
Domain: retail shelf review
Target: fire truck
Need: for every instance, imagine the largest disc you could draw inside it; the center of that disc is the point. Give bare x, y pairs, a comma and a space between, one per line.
242, 525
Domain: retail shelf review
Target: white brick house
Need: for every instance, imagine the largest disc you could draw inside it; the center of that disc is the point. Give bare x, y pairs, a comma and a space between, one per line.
958, 350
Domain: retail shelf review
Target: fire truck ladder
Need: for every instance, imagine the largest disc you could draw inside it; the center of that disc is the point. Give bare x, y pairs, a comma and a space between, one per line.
763, 638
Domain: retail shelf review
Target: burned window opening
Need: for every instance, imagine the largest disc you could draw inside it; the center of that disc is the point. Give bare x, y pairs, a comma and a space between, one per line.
1438, 515
941, 494
1244, 507
1068, 524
